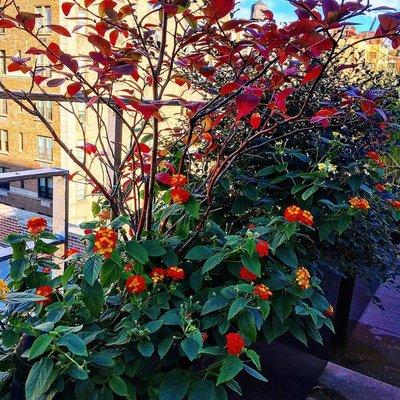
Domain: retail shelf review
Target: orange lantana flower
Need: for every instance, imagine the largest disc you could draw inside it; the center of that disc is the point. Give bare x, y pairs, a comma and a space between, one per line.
359, 203
105, 242
36, 225
303, 278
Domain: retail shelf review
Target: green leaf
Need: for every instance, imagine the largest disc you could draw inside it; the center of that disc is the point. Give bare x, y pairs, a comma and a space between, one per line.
212, 262
40, 378
237, 306
355, 182
137, 251
118, 386
252, 264
110, 273
191, 348
102, 360
175, 385
325, 230
17, 268
254, 373
192, 207
45, 248
254, 357
266, 171
297, 332
220, 393
202, 390
153, 248
146, 348
343, 223
199, 253
250, 192
92, 267
164, 347
282, 306
309, 192
40, 346
73, 343
9, 338
22, 297
214, 304
287, 256
93, 297
230, 368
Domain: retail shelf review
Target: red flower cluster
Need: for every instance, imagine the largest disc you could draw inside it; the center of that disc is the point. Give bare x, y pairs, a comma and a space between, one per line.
234, 344
175, 273
359, 203
303, 278
128, 267
380, 187
395, 204
105, 241
36, 225
296, 214
70, 252
329, 312
178, 194
157, 275
246, 275
136, 284
376, 157
262, 292
179, 180
262, 248
44, 291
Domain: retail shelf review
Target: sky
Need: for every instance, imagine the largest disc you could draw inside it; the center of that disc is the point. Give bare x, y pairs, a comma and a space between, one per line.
284, 11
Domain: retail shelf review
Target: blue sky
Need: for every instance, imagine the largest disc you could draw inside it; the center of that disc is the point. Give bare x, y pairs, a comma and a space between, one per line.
284, 11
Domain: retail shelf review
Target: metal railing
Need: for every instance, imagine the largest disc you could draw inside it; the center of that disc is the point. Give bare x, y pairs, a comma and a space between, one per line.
60, 201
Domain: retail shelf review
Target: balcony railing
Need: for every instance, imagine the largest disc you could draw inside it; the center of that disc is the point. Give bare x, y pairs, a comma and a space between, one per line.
60, 201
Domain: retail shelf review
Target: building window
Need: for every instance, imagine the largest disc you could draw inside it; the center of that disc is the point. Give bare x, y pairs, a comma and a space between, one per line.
3, 141
3, 62
45, 188
45, 19
45, 148
46, 109
4, 186
2, 31
3, 107
21, 141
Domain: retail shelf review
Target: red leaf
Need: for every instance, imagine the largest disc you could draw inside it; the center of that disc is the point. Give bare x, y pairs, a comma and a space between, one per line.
143, 148
120, 103
74, 88
255, 120
229, 88
53, 52
147, 110
245, 104
280, 99
66, 8
368, 107
323, 116
5, 23
102, 44
114, 37
35, 50
217, 9
88, 148
60, 30
164, 178
312, 75
38, 79
88, 2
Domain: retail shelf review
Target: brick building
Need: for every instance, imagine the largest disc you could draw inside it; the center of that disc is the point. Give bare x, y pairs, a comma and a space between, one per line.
24, 143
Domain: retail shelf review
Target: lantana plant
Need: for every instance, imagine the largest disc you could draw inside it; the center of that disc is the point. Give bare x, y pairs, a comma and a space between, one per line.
168, 297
